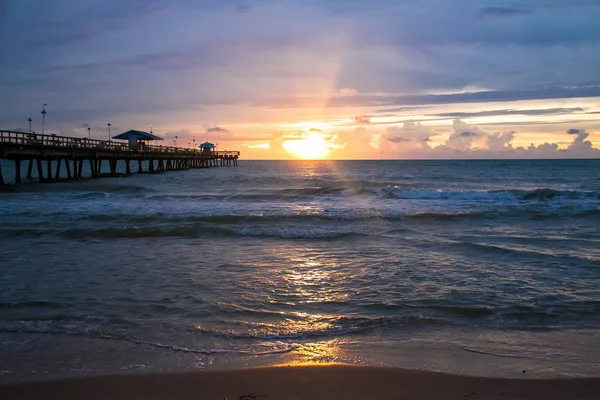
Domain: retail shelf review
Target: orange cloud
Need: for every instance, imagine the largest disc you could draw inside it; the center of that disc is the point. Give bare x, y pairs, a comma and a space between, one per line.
348, 91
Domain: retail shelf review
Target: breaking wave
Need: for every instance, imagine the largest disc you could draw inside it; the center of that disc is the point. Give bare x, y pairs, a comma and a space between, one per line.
394, 192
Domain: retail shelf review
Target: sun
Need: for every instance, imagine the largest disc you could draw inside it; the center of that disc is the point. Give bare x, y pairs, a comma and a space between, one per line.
311, 147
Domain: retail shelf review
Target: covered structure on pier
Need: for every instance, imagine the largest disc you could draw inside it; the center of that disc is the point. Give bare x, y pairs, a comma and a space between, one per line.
137, 139
207, 148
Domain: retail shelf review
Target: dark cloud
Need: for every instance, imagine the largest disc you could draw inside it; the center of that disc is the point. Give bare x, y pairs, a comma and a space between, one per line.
83, 126
468, 134
398, 109
397, 139
502, 11
490, 113
573, 131
242, 8
217, 129
79, 30
430, 99
362, 120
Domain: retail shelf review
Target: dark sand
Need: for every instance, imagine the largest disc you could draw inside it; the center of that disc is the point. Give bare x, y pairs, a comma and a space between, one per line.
305, 382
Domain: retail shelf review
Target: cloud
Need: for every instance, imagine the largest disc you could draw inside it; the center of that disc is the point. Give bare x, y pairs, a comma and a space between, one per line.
492, 113
353, 144
103, 20
579, 145
217, 129
469, 141
502, 12
499, 141
362, 120
396, 139
406, 141
348, 91
433, 99
464, 137
315, 130
242, 8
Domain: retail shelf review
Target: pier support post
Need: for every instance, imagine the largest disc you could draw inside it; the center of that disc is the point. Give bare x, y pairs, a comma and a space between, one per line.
40, 169
1, 176
93, 168
68, 165
139, 166
18, 171
30, 168
49, 169
127, 166
151, 165
80, 168
58, 162
113, 166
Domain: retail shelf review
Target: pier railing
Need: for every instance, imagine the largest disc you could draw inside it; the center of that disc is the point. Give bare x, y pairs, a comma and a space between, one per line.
82, 143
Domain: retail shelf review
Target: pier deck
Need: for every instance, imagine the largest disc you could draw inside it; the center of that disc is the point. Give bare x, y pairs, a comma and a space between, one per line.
74, 152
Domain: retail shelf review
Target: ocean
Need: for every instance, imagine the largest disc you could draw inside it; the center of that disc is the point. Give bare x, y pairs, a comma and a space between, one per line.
487, 268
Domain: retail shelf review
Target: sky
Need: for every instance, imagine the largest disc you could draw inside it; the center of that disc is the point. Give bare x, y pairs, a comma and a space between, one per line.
334, 79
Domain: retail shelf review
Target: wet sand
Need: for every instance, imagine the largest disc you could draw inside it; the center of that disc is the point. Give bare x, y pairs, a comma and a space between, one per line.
305, 382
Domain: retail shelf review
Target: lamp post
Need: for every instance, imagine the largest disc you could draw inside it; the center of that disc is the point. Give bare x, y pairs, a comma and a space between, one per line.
175, 141
89, 132
44, 119
109, 126
29, 120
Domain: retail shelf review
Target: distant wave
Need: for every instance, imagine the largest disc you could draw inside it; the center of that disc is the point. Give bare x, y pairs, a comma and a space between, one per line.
399, 192
202, 230
336, 224
501, 195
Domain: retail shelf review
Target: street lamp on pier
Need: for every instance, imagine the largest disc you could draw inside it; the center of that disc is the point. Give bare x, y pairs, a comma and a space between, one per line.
109, 126
89, 132
29, 120
44, 119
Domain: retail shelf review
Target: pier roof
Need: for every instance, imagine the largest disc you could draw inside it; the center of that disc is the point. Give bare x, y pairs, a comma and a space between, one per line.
207, 145
138, 135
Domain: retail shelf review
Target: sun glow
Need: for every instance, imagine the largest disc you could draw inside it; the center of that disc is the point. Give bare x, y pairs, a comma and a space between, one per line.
311, 147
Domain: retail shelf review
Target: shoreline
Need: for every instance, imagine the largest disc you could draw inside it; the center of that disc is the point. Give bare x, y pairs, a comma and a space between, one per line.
331, 381
35, 357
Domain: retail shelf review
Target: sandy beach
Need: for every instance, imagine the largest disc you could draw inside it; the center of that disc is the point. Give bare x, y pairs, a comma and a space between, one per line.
305, 382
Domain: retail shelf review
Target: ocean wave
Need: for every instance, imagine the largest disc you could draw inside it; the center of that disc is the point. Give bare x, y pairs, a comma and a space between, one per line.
94, 331
312, 327
193, 231
394, 192
31, 304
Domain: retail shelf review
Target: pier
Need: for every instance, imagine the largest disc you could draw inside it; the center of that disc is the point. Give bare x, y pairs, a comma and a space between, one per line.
45, 156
